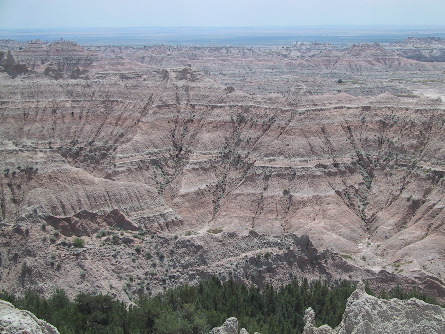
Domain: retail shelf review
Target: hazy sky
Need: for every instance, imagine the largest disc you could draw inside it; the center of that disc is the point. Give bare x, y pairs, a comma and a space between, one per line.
153, 13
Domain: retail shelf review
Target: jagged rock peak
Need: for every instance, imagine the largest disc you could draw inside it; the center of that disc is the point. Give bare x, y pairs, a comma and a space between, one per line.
230, 326
371, 315
13, 321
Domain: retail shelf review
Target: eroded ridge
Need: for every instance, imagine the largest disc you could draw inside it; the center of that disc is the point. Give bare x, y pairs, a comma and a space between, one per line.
343, 145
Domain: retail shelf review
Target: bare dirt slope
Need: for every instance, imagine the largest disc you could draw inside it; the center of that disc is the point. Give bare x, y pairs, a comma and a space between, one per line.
156, 155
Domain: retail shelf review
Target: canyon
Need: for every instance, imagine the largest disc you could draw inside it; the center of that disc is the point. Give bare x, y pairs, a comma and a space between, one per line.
175, 163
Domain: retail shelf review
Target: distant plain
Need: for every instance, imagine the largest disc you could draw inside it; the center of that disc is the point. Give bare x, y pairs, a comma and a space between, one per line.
249, 36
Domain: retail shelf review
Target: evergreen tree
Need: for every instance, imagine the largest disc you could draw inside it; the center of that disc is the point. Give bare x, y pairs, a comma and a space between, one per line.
197, 309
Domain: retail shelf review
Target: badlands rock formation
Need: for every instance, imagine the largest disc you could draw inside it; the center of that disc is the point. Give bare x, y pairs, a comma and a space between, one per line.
176, 163
13, 321
429, 49
368, 314
230, 326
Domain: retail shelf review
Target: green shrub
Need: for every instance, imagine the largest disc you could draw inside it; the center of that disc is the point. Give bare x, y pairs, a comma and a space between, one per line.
101, 234
78, 242
115, 239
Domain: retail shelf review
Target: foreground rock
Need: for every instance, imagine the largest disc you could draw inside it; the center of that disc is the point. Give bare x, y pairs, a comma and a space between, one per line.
13, 321
368, 314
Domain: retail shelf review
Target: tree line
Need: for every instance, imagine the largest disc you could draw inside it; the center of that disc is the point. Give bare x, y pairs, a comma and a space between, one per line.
197, 309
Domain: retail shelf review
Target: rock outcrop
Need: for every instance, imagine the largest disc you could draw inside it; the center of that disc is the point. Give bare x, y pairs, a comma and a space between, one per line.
366, 314
14, 321
230, 326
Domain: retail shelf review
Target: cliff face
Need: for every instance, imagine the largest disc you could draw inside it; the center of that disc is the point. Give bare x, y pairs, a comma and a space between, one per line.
182, 141
13, 321
367, 314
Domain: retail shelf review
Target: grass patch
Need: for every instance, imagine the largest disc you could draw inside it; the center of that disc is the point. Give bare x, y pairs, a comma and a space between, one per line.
215, 230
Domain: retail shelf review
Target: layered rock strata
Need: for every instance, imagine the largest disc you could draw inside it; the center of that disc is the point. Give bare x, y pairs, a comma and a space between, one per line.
345, 146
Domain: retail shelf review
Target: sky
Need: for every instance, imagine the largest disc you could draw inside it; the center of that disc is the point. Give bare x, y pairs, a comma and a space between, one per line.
217, 13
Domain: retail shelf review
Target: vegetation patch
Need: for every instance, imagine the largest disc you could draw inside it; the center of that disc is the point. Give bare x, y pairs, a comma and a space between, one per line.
197, 309
215, 230
78, 243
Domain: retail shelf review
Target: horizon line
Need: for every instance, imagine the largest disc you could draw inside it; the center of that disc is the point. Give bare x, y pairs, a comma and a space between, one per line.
238, 27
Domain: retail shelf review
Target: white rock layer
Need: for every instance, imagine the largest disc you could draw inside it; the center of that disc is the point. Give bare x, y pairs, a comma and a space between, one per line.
13, 321
371, 315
